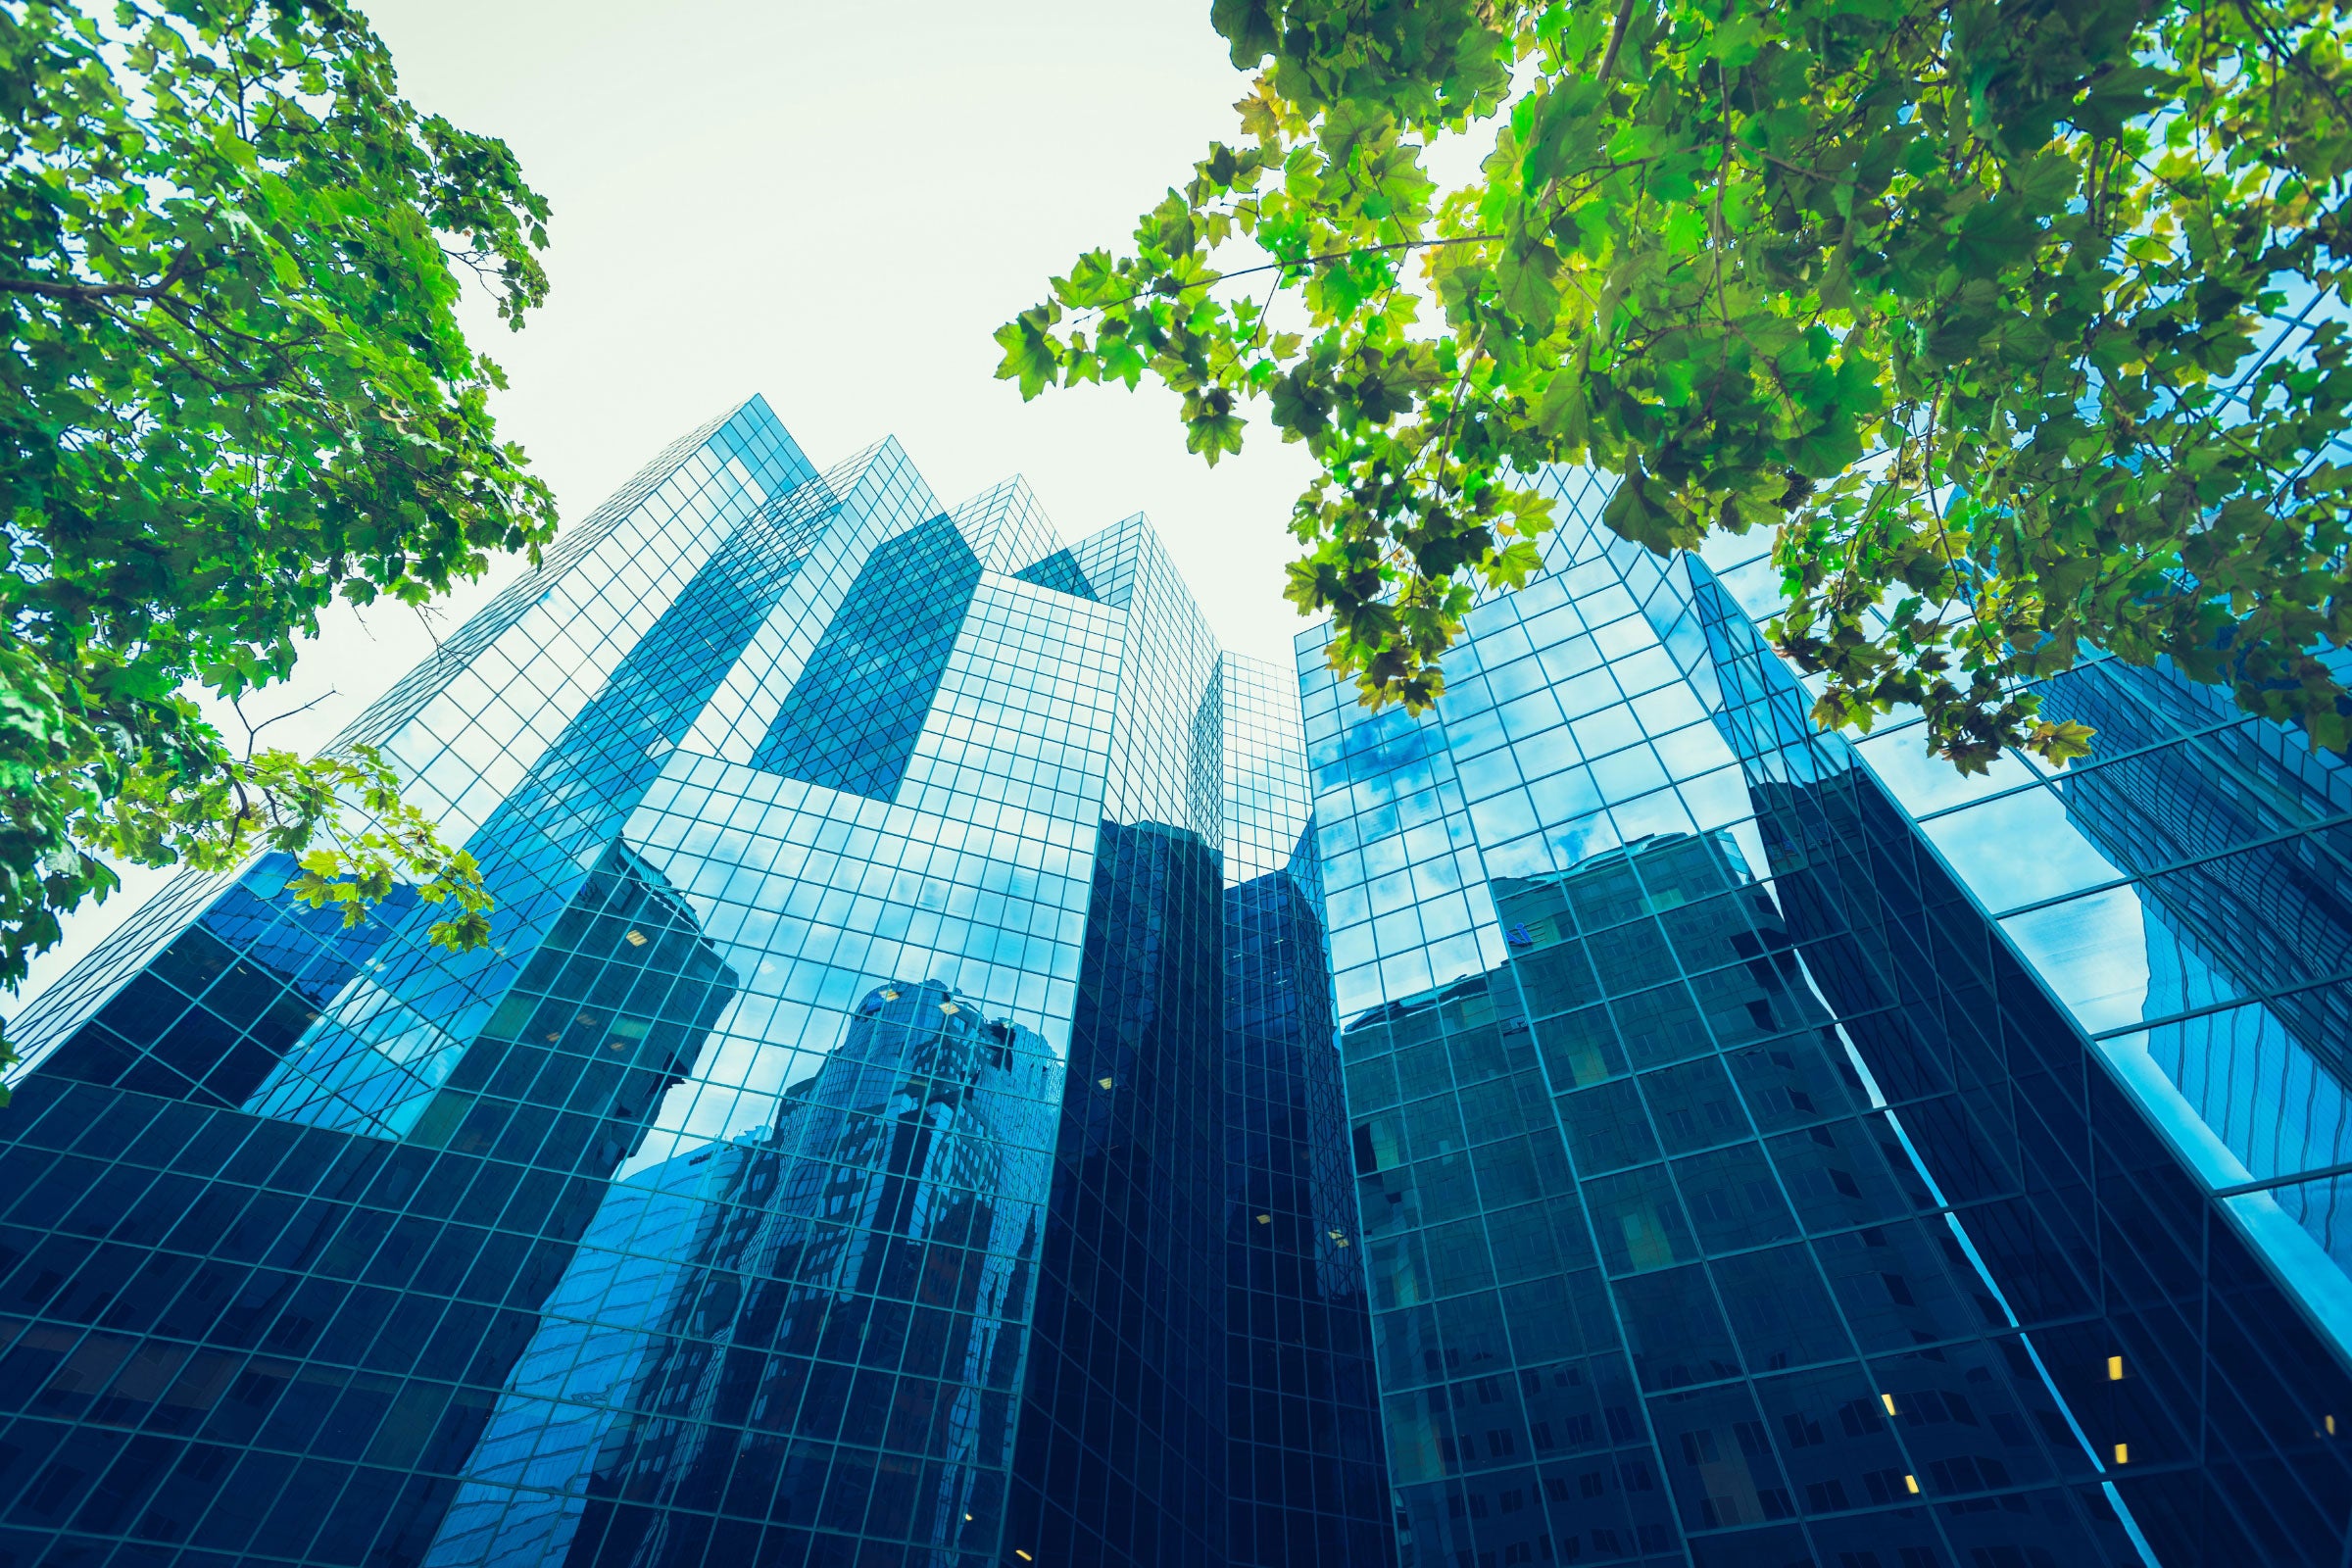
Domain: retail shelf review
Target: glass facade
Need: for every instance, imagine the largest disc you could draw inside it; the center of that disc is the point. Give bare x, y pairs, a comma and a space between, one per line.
896, 1119
1308, 1486
968, 1071
1771, 1150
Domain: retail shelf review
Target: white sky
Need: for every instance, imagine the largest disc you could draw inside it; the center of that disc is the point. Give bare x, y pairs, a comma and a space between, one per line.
835, 206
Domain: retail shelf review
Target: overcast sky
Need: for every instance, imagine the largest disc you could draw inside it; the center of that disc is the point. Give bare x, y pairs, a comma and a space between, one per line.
835, 206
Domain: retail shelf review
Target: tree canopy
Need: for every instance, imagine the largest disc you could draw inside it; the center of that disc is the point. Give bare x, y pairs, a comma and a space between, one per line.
234, 389
1972, 304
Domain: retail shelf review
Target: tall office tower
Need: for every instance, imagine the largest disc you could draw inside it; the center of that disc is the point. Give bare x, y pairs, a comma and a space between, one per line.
1308, 1486
895, 1120
1778, 1150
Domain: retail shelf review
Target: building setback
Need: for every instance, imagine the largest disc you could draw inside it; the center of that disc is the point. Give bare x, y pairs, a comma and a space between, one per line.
1776, 1149
896, 1119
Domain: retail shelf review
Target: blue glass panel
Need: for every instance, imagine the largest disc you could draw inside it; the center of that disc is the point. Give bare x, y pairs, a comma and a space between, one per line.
383, 1047
318, 1298
220, 1008
1131, 1321
1060, 573
852, 719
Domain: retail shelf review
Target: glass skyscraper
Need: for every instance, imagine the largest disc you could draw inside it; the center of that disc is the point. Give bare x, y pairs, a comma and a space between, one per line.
968, 1071
896, 1118
1773, 1149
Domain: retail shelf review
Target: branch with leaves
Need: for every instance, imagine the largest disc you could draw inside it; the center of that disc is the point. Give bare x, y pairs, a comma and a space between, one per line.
233, 390
1962, 301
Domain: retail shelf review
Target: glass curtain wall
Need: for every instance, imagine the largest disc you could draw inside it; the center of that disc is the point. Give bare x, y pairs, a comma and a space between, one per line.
1306, 1467
1750, 1172
825, 1161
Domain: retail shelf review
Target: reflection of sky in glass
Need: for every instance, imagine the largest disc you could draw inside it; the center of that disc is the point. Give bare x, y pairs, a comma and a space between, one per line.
2093, 953
1583, 790
2244, 1094
2116, 957
2281, 1221
1924, 782
523, 1493
834, 892
1565, 730
2247, 1093
2239, 1095
974, 875
2019, 848
2184, 977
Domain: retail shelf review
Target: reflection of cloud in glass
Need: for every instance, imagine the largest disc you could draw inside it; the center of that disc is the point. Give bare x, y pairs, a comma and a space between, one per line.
1924, 782
2093, 953
668, 1206
2020, 849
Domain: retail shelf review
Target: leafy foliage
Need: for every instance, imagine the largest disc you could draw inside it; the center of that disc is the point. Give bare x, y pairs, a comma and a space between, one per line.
233, 388
1952, 297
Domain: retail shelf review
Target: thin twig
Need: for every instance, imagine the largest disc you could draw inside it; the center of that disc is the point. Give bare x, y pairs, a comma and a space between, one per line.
253, 731
2288, 56
1306, 261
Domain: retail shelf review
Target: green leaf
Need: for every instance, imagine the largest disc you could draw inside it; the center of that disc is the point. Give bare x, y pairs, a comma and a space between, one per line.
2123, 95
1029, 354
1211, 427
1093, 281
1638, 510
241, 391
1562, 412
1248, 25
1946, 297
1525, 280
1515, 564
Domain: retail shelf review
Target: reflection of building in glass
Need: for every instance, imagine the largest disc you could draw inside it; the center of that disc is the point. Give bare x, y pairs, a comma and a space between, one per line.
1712, 1117
266, 1313
2209, 807
215, 1011
1771, 1150
1180, 1337
898, 1117
835, 1327
1131, 1318
1305, 1467
827, 1160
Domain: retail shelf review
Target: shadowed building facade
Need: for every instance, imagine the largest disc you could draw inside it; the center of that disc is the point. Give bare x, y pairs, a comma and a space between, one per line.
846, 1148
1776, 1150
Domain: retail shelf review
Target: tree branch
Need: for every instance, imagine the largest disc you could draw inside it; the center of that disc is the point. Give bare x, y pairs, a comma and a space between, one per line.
1155, 292
181, 267
2288, 56
1617, 26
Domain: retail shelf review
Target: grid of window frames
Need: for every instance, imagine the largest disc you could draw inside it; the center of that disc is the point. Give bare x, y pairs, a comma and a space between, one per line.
1735, 1188
2130, 1046
731, 1206
1306, 1472
1122, 1444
